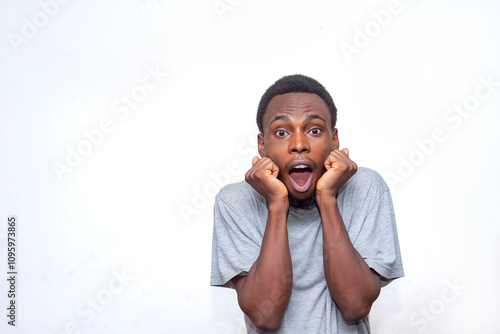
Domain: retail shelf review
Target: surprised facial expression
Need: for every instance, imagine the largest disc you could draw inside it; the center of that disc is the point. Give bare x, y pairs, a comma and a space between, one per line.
298, 137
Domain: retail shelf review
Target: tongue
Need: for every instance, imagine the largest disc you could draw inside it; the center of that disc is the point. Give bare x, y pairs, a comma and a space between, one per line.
300, 176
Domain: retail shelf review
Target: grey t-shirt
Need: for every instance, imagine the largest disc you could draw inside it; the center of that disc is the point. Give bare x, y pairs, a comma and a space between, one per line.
365, 203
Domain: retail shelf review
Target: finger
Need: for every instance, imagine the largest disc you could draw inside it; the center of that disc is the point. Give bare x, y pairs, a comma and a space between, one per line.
274, 169
345, 157
254, 160
269, 166
342, 155
329, 160
337, 157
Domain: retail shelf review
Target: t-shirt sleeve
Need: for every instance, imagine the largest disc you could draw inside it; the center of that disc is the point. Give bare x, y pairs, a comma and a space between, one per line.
235, 244
373, 230
378, 243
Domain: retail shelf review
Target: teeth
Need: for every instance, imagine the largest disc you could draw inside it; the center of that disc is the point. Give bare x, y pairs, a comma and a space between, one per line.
301, 166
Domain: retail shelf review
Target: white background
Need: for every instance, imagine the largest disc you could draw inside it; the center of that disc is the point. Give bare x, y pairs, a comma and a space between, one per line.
138, 205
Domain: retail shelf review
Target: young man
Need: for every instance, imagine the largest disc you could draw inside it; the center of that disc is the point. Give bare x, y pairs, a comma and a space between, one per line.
309, 238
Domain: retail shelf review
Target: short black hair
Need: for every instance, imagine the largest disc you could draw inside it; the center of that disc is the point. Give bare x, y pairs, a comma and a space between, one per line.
296, 83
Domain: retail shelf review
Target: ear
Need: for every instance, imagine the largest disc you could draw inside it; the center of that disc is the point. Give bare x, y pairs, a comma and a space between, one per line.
335, 135
260, 143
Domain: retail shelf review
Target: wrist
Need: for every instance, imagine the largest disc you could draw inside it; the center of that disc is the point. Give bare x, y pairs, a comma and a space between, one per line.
279, 206
325, 200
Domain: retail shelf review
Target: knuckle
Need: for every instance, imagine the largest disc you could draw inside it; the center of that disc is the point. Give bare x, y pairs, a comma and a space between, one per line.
249, 174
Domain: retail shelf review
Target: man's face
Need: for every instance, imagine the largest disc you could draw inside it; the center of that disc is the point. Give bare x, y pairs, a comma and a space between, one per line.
298, 137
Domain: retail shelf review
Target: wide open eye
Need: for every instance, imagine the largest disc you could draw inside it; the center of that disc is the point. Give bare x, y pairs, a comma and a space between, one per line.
281, 133
315, 131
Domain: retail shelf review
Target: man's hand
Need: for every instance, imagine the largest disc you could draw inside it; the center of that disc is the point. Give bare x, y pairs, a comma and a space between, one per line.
339, 169
272, 273
263, 177
351, 283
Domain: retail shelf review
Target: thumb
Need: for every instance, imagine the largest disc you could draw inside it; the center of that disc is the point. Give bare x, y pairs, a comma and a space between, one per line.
346, 151
254, 160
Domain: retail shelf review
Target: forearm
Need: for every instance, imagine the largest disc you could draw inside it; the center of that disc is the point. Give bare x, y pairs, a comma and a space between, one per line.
351, 283
265, 291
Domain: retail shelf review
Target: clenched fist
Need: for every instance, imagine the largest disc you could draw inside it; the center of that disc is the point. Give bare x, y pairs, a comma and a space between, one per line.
263, 177
339, 169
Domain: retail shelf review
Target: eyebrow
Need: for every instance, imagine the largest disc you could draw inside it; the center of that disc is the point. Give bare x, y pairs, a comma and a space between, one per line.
280, 118
288, 119
315, 116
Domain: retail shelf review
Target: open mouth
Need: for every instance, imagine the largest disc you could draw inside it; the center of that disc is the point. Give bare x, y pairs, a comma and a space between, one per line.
301, 177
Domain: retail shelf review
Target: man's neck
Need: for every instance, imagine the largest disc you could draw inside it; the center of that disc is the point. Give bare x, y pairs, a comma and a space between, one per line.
304, 204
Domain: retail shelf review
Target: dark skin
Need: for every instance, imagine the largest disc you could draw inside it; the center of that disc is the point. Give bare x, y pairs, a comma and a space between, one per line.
297, 130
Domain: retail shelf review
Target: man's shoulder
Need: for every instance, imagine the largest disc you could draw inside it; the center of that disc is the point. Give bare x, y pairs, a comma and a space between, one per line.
239, 193
366, 180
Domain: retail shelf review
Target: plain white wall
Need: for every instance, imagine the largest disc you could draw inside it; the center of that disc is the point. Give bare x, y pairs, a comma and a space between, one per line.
118, 238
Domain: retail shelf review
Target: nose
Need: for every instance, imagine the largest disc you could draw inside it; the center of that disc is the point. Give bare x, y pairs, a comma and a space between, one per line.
299, 143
